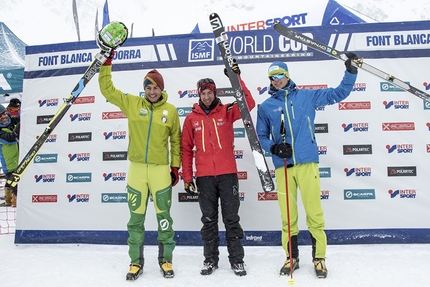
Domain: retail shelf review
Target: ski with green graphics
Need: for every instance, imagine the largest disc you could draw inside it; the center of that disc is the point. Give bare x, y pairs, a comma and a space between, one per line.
112, 35
258, 153
323, 48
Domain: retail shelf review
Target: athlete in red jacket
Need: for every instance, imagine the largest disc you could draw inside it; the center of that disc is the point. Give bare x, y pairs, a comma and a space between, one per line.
208, 135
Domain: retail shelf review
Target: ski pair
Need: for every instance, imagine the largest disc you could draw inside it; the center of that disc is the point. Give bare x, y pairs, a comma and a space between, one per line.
221, 39
111, 37
299, 37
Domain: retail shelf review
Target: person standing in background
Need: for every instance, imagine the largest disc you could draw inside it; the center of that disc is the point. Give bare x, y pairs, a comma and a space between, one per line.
285, 127
208, 135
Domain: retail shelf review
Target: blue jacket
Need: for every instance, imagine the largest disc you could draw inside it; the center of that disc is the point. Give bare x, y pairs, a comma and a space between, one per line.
298, 107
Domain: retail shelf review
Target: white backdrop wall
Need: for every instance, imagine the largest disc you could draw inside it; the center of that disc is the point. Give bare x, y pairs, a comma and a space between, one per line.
374, 147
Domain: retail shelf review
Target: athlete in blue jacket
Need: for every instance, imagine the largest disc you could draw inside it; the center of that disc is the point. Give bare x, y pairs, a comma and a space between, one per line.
294, 109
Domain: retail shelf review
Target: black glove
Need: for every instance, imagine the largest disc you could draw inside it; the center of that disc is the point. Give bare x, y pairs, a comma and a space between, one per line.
349, 67
174, 174
234, 67
190, 188
282, 150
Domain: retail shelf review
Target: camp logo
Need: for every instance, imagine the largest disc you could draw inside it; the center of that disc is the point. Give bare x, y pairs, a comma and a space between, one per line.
50, 177
82, 117
402, 193
401, 171
398, 126
114, 176
38, 198
48, 102
356, 127
79, 156
354, 105
117, 135
358, 171
400, 148
397, 105
201, 50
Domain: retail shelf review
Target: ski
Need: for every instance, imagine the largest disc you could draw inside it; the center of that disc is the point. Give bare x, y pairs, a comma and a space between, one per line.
224, 47
298, 37
117, 38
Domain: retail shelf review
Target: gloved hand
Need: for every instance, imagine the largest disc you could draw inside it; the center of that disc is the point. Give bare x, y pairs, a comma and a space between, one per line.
108, 61
190, 188
349, 67
282, 150
174, 174
234, 67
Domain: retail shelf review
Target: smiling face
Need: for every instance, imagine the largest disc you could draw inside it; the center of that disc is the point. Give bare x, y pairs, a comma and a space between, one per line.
207, 97
152, 93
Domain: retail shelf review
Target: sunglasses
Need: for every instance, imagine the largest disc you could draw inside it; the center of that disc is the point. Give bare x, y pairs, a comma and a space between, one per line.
277, 77
3, 114
205, 80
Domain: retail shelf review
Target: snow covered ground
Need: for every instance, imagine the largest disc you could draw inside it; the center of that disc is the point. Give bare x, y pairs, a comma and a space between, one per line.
102, 265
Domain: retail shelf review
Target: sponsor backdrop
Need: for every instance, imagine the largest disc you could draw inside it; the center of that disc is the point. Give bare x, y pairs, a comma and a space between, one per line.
374, 147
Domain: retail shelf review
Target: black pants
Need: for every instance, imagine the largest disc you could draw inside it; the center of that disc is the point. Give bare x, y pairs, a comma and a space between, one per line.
226, 188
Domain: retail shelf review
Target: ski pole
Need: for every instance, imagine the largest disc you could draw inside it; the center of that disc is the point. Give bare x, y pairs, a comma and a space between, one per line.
290, 249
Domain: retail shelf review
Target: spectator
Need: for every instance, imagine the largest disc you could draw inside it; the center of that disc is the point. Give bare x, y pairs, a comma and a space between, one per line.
208, 130
14, 107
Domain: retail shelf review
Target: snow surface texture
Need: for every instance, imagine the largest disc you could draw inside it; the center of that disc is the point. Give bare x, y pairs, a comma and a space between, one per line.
104, 266
39, 22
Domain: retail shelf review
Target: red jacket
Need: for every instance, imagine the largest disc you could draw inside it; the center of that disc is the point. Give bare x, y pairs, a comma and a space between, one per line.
212, 136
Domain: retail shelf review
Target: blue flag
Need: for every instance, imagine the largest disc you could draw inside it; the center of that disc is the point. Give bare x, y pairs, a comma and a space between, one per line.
106, 14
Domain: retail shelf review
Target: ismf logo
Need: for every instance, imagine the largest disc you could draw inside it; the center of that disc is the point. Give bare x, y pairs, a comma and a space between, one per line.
242, 174
78, 197
82, 117
117, 135
401, 171
322, 150
359, 87
48, 102
356, 127
45, 177
354, 105
115, 176
85, 156
263, 196
52, 138
358, 171
325, 194
188, 93
400, 148
397, 105
398, 126
201, 50
403, 193
238, 154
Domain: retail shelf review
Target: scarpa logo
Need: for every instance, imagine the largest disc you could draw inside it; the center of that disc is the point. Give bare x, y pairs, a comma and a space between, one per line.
114, 197
325, 172
239, 132
201, 50
389, 87
46, 158
353, 194
183, 111
78, 177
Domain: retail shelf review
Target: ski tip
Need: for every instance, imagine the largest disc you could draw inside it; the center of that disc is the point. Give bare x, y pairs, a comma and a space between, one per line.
213, 16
